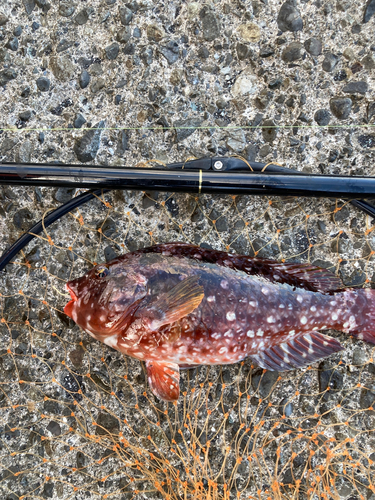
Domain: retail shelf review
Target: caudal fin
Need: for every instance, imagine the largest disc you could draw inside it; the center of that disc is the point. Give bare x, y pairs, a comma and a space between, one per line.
361, 305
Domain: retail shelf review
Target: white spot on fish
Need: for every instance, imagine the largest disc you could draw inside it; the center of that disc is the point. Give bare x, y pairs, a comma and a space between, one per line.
171, 386
250, 333
216, 336
228, 333
299, 299
224, 284
292, 332
231, 316
334, 316
281, 306
313, 308
265, 290
252, 303
222, 350
304, 320
271, 319
211, 298
260, 333
111, 341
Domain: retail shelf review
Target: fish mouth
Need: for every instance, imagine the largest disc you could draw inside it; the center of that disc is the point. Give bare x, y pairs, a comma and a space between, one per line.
69, 306
72, 293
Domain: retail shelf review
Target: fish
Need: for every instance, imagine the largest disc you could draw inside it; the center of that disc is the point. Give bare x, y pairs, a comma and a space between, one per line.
176, 306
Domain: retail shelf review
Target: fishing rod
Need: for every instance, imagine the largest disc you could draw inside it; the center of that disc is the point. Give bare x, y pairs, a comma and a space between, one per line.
190, 176
206, 175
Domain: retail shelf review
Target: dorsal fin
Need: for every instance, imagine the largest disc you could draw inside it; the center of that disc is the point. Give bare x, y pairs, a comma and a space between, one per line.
306, 276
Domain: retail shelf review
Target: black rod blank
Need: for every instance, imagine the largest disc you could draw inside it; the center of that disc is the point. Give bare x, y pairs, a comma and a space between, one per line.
188, 180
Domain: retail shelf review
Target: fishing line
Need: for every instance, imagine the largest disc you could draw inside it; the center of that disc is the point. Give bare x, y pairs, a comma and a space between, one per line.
202, 127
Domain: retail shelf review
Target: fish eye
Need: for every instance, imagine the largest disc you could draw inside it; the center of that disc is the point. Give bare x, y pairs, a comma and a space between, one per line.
102, 272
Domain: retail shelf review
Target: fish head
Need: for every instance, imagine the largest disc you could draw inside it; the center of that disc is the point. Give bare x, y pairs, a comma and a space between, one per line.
104, 299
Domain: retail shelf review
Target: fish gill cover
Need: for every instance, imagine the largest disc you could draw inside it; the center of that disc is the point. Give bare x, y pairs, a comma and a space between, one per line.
77, 419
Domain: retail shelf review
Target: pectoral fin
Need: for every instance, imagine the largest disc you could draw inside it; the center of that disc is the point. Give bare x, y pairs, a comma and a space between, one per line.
173, 305
164, 379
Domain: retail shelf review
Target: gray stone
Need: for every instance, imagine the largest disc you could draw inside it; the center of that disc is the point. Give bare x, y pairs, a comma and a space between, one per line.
264, 382
147, 55
313, 46
154, 33
106, 424
368, 62
124, 34
8, 144
341, 107
97, 85
29, 5
184, 128
82, 17
266, 51
64, 194
286, 407
170, 52
25, 151
210, 24
87, 147
369, 11
22, 219
112, 51
54, 428
64, 45
245, 84
292, 52
236, 140
6, 76
48, 488
367, 399
62, 67
4, 54
3, 19
126, 15
25, 115
289, 18
329, 378
12, 44
367, 141
109, 254
359, 357
269, 131
355, 88
329, 62
322, 117
243, 52
43, 83
79, 120
84, 79
66, 9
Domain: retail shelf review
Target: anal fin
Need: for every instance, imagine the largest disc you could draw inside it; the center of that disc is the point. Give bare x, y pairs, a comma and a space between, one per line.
164, 379
296, 353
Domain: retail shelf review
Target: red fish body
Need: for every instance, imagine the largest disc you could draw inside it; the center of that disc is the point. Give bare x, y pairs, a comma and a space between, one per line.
177, 305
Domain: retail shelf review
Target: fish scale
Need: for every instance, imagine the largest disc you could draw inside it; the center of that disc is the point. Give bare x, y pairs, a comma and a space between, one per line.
177, 305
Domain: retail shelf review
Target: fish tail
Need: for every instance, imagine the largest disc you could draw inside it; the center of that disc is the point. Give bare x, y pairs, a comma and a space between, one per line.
361, 309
